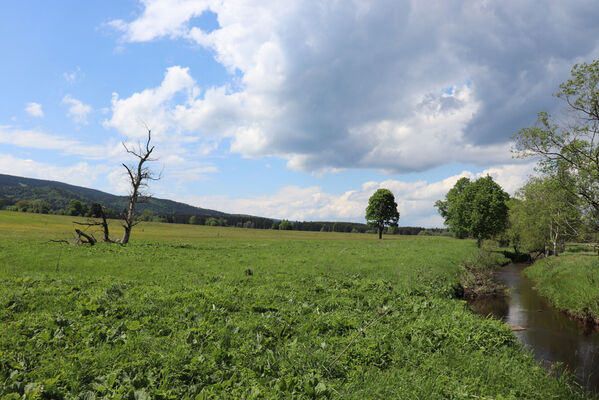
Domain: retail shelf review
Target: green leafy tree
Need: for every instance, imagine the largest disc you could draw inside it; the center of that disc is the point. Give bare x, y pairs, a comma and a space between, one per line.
489, 212
76, 208
39, 206
23, 205
96, 210
146, 215
455, 209
193, 220
546, 215
382, 210
159, 218
212, 221
569, 143
285, 225
477, 209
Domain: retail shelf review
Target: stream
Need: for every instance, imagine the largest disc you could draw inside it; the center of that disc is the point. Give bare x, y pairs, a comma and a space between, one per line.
549, 333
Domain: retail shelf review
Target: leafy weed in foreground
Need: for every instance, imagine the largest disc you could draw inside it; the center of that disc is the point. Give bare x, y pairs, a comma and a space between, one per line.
181, 319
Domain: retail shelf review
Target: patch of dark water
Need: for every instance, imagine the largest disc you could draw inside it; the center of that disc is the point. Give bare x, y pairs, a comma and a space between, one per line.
548, 333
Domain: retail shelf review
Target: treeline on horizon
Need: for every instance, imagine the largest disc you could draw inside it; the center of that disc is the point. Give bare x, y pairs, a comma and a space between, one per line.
49, 200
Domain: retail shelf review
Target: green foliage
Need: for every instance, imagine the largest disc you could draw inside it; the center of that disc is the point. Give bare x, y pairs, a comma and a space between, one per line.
194, 220
382, 210
546, 215
212, 221
23, 205
455, 209
39, 206
570, 281
175, 315
285, 225
76, 208
569, 146
488, 208
476, 209
435, 232
147, 215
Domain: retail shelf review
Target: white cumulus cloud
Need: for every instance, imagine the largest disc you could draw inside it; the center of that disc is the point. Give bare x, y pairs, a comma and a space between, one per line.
34, 109
82, 173
397, 85
415, 199
77, 110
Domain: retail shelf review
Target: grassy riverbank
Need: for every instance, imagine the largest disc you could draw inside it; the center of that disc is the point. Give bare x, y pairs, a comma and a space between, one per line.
570, 281
201, 312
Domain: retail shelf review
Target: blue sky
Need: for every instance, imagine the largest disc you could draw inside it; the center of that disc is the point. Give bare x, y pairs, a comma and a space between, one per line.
298, 110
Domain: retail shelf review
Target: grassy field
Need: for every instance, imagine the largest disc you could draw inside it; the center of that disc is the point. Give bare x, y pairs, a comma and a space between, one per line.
570, 281
192, 312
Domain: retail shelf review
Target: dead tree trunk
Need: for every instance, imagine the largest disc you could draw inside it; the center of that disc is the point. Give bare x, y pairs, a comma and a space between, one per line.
138, 175
85, 238
98, 211
104, 225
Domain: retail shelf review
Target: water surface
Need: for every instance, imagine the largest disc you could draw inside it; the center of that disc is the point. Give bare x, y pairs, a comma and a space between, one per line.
549, 333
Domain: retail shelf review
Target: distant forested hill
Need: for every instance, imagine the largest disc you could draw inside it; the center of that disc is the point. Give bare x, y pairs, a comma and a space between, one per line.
58, 195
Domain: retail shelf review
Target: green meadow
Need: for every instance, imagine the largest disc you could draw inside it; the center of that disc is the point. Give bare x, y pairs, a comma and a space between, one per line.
570, 281
194, 312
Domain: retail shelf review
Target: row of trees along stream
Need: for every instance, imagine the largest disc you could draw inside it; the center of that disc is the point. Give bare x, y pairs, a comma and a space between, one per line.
561, 203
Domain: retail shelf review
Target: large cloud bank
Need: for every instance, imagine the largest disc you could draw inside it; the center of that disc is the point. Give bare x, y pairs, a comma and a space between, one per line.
394, 85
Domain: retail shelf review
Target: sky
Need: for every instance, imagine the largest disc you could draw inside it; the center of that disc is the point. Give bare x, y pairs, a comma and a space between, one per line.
294, 110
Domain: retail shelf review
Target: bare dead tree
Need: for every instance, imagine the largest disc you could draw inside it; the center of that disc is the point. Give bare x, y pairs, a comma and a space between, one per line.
139, 176
98, 212
86, 238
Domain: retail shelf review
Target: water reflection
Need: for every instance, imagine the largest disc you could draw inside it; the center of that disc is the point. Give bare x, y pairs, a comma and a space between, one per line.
549, 333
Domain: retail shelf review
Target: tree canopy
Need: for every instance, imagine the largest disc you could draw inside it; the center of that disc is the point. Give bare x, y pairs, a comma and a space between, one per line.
382, 210
544, 216
477, 209
569, 143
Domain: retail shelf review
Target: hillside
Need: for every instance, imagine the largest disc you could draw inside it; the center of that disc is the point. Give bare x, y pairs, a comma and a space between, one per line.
58, 195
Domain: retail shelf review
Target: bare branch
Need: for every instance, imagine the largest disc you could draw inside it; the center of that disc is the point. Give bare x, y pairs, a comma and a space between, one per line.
138, 177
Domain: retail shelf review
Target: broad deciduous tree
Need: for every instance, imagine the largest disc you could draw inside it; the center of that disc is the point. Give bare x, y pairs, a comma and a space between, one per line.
454, 209
545, 216
476, 209
382, 210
